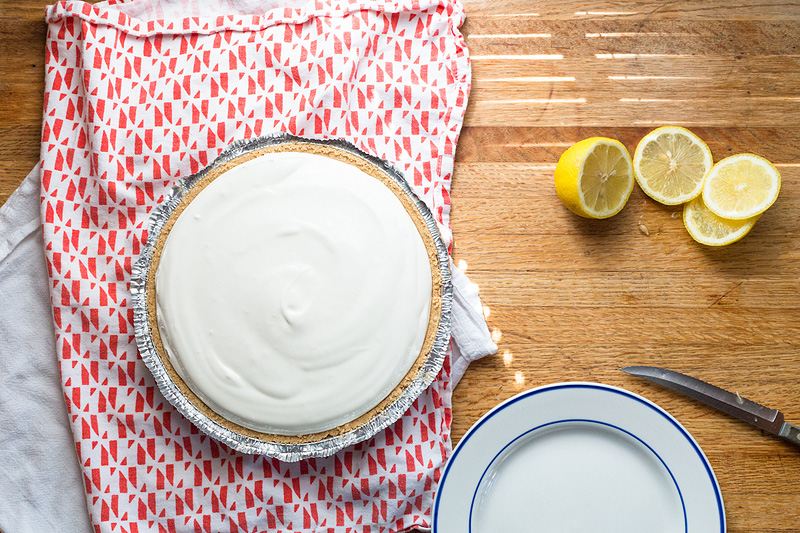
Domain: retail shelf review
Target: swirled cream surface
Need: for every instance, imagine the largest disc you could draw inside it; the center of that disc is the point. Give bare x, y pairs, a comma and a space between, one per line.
293, 293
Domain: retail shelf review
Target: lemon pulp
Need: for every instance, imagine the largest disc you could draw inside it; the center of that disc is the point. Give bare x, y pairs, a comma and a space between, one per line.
605, 178
741, 186
707, 228
670, 164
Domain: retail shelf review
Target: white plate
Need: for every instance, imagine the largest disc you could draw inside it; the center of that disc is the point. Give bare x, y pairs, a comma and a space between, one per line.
578, 457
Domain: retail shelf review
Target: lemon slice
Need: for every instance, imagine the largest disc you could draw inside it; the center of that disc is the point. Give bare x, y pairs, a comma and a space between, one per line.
707, 228
594, 177
670, 163
741, 186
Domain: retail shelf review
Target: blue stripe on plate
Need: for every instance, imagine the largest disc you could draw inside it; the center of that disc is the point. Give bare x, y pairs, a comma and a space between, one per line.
620, 392
582, 420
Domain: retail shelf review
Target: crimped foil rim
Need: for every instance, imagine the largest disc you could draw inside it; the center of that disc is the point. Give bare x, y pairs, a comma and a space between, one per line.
288, 452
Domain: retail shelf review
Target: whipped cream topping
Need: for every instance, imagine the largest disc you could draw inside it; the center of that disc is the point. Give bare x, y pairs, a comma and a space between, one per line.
293, 293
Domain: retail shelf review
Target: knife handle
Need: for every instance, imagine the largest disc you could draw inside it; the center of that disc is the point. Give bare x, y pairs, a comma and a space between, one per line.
791, 433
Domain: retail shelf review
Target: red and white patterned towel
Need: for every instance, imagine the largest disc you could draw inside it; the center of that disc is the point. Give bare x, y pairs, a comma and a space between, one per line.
132, 105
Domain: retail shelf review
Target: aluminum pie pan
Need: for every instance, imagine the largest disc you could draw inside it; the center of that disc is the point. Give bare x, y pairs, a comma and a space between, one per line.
240, 441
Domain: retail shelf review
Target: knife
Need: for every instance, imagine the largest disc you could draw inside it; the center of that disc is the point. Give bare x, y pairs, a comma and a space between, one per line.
770, 420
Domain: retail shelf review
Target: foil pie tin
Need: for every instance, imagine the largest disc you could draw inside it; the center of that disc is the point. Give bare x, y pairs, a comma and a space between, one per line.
248, 444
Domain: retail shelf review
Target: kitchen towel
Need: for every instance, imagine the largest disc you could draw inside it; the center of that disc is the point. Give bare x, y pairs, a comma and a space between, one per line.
133, 103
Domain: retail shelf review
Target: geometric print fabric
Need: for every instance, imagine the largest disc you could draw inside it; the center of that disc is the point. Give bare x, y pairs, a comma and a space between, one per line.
134, 104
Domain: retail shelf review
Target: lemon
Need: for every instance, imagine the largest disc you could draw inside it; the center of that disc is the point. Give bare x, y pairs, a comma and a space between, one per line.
741, 186
670, 163
594, 177
707, 228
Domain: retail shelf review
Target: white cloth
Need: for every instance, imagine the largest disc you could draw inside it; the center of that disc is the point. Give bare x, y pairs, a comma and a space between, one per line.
40, 483
471, 338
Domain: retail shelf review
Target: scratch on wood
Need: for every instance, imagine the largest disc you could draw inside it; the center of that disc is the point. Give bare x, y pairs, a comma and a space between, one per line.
718, 300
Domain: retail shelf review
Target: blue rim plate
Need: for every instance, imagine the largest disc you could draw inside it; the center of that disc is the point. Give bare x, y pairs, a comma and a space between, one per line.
578, 457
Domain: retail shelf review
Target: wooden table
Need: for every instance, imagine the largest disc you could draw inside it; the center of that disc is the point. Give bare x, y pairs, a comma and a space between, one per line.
571, 299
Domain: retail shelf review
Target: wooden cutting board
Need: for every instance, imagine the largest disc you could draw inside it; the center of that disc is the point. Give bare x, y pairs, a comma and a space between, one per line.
572, 299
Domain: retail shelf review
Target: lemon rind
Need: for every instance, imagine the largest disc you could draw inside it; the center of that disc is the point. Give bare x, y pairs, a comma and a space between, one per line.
567, 189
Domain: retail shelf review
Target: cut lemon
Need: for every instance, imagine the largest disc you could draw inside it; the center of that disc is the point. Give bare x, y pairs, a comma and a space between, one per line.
741, 186
594, 178
707, 228
670, 163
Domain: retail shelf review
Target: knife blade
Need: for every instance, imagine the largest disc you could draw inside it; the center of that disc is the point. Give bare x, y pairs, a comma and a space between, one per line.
770, 420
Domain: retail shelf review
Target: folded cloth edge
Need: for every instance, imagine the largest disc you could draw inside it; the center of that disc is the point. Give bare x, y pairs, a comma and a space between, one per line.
470, 333
103, 13
16, 217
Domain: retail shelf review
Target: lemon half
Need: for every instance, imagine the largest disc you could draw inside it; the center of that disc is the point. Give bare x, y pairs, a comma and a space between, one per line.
594, 177
670, 163
741, 186
707, 228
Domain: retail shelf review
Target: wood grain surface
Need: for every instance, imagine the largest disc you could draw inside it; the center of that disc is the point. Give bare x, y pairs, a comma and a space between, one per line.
572, 299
